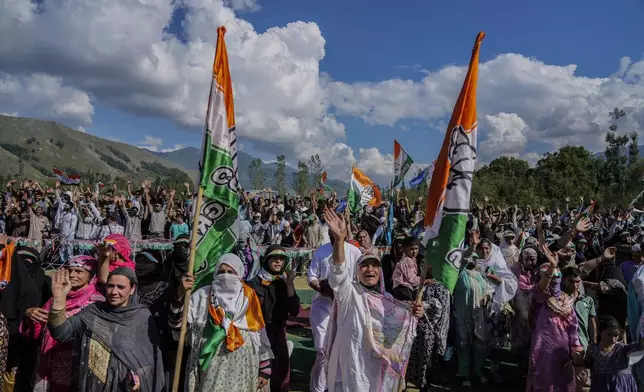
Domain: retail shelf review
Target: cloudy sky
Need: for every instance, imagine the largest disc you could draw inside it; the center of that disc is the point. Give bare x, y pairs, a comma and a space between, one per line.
338, 78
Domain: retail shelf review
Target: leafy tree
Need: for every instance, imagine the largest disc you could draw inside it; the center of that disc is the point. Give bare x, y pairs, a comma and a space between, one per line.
613, 179
315, 168
280, 175
633, 149
301, 179
257, 176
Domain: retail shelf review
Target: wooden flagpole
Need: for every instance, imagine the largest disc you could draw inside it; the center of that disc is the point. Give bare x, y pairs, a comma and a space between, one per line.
186, 300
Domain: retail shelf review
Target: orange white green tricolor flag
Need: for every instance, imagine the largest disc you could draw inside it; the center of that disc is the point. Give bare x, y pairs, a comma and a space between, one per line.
216, 235
402, 163
448, 201
362, 191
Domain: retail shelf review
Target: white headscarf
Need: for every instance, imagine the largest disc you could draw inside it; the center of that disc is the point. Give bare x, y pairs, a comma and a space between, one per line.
504, 292
227, 291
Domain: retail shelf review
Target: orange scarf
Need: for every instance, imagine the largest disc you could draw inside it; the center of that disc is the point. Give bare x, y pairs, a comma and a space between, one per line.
254, 319
5, 264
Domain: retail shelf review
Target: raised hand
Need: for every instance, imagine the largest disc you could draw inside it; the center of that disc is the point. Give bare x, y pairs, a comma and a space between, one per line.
552, 258
61, 285
336, 223
583, 225
609, 253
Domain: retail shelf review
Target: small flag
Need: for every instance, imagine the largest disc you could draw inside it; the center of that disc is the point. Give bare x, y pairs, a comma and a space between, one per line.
402, 163
362, 191
588, 210
323, 178
423, 175
216, 234
448, 201
66, 179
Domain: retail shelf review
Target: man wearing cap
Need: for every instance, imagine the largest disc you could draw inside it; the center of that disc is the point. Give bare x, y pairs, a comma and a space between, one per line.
317, 277
259, 229
313, 235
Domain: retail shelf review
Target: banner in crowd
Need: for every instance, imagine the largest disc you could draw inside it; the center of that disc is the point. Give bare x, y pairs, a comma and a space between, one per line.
402, 163
423, 175
216, 234
66, 179
362, 191
448, 202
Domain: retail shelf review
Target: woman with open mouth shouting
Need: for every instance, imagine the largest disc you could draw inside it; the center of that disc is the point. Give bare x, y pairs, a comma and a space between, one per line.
363, 318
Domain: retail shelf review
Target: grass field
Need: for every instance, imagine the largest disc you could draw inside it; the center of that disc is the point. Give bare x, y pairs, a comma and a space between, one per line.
304, 355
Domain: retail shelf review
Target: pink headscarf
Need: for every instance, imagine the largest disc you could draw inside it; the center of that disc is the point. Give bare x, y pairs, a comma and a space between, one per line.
122, 246
55, 358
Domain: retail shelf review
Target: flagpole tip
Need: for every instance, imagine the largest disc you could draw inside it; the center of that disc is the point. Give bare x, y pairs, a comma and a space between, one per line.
480, 36
221, 30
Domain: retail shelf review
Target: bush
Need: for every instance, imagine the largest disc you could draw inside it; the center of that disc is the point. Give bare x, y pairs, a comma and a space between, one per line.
113, 162
31, 140
59, 144
119, 154
15, 149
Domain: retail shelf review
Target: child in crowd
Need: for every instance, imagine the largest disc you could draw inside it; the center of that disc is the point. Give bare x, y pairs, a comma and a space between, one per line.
406, 277
609, 360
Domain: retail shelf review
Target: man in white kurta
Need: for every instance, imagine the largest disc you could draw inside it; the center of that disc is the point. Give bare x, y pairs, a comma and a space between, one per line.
321, 305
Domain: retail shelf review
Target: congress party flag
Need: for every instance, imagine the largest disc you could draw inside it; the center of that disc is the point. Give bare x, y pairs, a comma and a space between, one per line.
216, 234
402, 163
448, 201
362, 191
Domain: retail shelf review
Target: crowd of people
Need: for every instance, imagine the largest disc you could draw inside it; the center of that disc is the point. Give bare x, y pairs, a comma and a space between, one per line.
564, 291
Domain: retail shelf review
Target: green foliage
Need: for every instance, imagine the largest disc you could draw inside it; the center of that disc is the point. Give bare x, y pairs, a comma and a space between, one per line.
166, 176
113, 162
257, 176
280, 175
301, 179
315, 168
119, 154
15, 149
59, 144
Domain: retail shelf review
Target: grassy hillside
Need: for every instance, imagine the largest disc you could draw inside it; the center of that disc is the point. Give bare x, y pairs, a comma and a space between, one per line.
42, 145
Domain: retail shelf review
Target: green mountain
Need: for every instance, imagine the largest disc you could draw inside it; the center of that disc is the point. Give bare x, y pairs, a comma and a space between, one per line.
30, 148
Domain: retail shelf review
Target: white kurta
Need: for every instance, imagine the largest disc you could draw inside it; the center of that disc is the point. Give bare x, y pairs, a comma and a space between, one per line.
319, 270
352, 365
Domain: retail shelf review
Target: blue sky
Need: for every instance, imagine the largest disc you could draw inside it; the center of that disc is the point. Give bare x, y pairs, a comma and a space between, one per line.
374, 41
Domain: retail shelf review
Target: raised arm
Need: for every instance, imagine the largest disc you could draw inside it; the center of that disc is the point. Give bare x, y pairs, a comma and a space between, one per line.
62, 329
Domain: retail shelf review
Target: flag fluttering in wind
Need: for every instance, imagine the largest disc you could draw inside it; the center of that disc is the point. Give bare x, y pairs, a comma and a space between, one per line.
448, 201
216, 234
423, 175
402, 163
362, 191
323, 178
66, 179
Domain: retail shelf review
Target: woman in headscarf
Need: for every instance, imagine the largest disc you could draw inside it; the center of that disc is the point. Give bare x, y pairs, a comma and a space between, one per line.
30, 257
57, 360
555, 339
366, 246
430, 343
612, 295
276, 292
230, 350
527, 277
113, 252
370, 335
117, 339
492, 265
390, 260
471, 298
17, 294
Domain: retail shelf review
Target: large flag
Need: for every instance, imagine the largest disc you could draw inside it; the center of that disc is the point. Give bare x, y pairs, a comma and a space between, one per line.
66, 179
448, 201
423, 175
216, 234
402, 163
362, 191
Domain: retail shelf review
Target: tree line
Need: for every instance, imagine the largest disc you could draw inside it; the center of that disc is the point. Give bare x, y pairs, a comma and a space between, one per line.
307, 176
